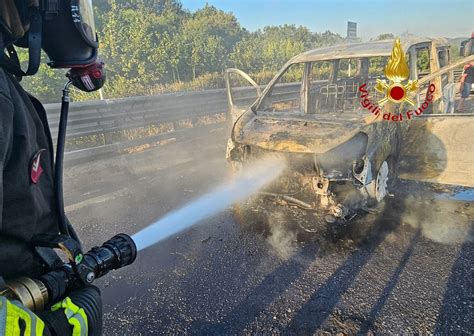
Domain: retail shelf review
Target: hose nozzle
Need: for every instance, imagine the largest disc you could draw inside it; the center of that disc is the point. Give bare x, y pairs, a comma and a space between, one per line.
36, 294
117, 252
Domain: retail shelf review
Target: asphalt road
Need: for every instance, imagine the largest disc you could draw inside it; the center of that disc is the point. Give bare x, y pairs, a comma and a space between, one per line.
406, 269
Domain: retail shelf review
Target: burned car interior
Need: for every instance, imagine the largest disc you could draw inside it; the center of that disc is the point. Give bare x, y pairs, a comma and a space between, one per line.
331, 86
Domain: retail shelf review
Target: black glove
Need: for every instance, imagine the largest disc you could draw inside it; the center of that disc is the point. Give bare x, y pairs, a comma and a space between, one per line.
82, 304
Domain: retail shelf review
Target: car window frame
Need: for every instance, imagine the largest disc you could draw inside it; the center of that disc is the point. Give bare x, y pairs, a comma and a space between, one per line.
303, 90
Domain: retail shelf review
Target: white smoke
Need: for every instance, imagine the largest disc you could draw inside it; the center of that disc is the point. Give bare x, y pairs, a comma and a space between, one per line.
282, 239
440, 220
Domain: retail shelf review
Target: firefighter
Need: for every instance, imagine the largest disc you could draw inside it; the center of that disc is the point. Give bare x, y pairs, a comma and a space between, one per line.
64, 29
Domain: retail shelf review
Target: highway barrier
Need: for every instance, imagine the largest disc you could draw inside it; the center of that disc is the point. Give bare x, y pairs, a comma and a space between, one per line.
104, 128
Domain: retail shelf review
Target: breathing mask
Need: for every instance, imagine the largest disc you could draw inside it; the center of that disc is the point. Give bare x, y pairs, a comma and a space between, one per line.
64, 29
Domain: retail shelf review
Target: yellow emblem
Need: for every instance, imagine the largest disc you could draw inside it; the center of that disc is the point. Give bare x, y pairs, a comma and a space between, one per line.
396, 71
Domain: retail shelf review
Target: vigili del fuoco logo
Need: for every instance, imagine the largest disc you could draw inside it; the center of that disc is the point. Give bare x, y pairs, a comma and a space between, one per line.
397, 89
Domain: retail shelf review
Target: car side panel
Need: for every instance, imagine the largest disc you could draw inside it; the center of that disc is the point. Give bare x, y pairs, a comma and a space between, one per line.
439, 149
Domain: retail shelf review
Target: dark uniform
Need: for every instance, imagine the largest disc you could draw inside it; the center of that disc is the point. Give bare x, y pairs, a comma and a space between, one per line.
27, 195
27, 202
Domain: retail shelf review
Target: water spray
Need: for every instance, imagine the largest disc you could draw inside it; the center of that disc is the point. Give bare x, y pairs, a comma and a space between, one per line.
245, 184
121, 250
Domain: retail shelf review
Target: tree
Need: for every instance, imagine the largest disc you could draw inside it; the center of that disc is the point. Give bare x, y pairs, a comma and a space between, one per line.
141, 46
209, 36
270, 48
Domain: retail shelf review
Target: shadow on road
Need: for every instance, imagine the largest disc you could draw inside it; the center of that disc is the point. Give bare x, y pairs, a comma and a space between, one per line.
377, 308
262, 296
456, 314
367, 235
322, 303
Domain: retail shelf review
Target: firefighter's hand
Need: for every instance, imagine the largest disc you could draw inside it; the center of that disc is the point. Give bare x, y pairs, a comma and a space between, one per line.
17, 320
79, 314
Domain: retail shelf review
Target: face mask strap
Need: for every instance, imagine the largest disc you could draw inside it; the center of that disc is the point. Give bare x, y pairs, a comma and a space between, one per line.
34, 41
11, 63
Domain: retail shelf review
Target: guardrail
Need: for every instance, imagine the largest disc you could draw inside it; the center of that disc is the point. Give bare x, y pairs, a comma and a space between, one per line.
109, 127
103, 128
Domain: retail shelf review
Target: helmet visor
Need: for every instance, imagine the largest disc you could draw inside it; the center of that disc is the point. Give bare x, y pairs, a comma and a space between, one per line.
83, 17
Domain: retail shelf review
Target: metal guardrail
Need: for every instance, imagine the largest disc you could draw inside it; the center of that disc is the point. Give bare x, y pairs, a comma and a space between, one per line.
99, 117
96, 128
103, 128
104, 119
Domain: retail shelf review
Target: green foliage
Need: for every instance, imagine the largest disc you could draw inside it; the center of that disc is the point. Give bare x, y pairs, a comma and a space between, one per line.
137, 46
385, 36
152, 46
377, 66
269, 49
455, 52
423, 60
293, 74
47, 84
208, 37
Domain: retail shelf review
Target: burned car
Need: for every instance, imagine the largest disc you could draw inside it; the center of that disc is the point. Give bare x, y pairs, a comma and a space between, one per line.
341, 158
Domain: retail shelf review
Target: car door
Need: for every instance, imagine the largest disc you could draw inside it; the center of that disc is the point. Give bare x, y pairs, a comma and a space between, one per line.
242, 92
438, 146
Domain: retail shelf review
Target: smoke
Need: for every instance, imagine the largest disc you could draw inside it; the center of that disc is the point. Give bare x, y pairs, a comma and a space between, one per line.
250, 180
281, 238
440, 220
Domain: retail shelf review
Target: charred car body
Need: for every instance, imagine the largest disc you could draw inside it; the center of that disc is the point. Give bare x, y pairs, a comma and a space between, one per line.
341, 158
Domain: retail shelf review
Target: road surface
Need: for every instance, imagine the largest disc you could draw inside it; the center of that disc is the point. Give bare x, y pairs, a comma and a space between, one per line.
406, 269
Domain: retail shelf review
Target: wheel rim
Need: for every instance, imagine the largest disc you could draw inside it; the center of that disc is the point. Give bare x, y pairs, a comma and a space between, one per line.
381, 182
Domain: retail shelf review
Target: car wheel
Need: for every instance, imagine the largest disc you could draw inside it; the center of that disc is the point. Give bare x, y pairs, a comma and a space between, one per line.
382, 181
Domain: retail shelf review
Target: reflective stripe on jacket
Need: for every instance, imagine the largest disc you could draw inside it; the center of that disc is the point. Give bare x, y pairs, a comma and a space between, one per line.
17, 320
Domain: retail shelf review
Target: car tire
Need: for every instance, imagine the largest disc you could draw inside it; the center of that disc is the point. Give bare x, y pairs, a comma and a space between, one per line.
382, 181
393, 172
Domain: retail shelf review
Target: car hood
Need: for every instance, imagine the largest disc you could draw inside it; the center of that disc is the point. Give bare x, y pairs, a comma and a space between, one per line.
296, 135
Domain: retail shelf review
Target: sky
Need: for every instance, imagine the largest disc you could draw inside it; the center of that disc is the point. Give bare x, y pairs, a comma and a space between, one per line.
432, 18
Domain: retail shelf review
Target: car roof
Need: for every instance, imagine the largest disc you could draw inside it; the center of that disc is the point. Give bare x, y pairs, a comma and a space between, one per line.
366, 49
